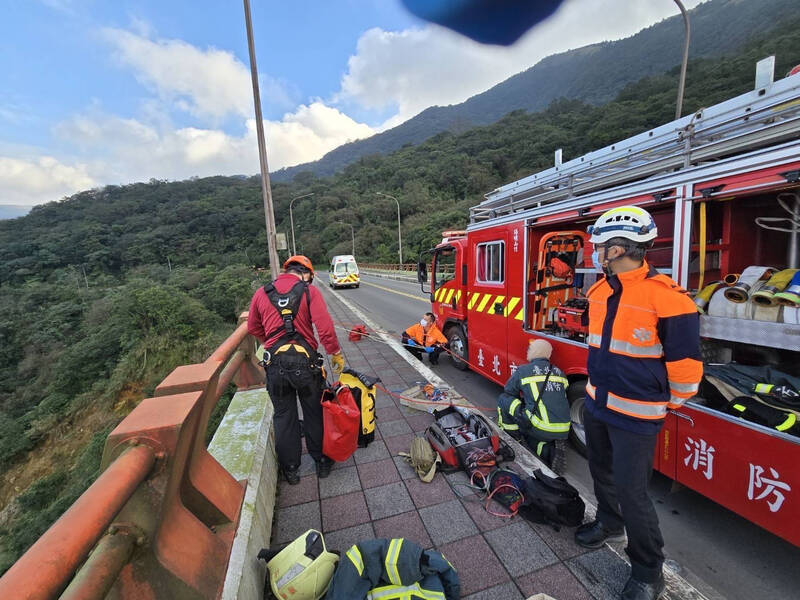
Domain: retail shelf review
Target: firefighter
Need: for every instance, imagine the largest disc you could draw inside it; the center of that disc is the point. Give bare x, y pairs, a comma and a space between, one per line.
533, 405
282, 316
644, 359
425, 336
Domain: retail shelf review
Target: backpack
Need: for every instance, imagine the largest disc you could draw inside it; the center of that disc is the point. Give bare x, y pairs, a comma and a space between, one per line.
551, 500
340, 423
363, 389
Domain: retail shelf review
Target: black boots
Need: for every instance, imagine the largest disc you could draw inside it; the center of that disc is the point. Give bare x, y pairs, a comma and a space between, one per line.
639, 590
595, 534
292, 475
324, 467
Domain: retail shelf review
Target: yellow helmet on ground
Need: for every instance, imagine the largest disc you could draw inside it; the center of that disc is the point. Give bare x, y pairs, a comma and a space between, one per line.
302, 570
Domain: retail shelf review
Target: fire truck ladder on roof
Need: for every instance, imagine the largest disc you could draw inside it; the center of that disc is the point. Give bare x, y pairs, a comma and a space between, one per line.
764, 116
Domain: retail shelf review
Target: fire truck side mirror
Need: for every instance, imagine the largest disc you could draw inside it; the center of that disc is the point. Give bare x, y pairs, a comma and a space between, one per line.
422, 272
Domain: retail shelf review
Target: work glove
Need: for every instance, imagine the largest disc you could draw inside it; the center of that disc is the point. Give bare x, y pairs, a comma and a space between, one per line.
411, 342
429, 349
337, 360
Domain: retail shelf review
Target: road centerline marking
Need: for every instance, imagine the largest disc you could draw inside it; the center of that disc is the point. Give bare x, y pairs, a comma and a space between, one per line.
380, 287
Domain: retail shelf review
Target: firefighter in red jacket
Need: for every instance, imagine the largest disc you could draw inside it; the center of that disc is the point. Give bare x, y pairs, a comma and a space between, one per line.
282, 316
644, 359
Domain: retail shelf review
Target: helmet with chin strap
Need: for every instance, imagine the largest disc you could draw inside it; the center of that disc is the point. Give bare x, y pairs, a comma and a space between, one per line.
628, 222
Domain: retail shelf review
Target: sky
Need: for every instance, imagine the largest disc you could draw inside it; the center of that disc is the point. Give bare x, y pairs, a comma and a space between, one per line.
94, 92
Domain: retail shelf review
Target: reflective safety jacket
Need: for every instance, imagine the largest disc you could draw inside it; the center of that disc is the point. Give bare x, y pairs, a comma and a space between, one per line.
423, 338
540, 409
393, 570
644, 349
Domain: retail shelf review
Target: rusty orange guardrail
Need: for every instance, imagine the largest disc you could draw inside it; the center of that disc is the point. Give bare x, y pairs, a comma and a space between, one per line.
159, 522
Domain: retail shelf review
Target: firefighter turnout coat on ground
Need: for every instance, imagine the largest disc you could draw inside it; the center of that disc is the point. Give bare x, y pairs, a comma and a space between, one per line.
644, 355
396, 569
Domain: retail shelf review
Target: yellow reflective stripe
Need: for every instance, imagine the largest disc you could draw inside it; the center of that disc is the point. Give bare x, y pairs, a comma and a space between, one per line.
764, 388
539, 448
654, 351
498, 300
473, 299
684, 388
519, 316
739, 407
788, 423
450, 293
354, 554
436, 294
458, 296
512, 408
512, 304
502, 424
482, 305
404, 592
531, 381
551, 427
392, 554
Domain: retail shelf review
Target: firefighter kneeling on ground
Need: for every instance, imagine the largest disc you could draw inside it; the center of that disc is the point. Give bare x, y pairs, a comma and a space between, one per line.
425, 336
282, 316
533, 405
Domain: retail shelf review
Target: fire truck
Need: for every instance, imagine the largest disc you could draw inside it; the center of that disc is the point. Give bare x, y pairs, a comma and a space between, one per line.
723, 186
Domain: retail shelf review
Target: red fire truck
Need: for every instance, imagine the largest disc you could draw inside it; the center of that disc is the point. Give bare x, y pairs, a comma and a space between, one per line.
522, 266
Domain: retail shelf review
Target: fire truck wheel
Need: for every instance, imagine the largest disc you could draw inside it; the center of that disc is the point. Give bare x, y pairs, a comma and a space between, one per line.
458, 346
576, 394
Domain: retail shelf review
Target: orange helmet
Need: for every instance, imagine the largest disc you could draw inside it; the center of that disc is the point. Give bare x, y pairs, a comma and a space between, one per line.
299, 259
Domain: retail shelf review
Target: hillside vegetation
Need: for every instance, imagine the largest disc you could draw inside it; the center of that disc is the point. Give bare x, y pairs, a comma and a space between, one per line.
103, 293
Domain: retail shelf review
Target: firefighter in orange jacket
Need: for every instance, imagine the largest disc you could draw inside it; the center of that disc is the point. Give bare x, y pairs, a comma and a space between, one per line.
425, 336
644, 359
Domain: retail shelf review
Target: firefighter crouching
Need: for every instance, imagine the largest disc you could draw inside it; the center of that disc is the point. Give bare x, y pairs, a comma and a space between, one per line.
644, 359
533, 405
426, 337
282, 316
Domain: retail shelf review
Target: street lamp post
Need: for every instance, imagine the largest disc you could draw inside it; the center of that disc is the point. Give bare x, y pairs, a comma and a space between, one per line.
399, 236
266, 191
352, 233
681, 83
291, 219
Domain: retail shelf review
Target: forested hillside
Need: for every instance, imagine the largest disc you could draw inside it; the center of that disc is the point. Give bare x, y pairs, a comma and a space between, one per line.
593, 74
103, 293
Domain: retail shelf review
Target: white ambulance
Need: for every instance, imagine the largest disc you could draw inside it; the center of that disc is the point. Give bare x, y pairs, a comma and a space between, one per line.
343, 272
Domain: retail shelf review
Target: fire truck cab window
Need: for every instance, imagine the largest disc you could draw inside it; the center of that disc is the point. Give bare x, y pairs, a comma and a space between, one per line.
445, 267
490, 263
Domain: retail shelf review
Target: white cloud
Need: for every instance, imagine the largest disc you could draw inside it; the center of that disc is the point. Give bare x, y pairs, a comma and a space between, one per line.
32, 181
417, 68
208, 83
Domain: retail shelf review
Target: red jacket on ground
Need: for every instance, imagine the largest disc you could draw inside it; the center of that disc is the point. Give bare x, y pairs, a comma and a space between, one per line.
264, 318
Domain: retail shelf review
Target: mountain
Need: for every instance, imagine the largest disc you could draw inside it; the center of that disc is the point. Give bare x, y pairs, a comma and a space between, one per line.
594, 74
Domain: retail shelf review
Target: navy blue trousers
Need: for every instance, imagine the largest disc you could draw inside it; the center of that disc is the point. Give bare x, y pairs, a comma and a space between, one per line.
621, 463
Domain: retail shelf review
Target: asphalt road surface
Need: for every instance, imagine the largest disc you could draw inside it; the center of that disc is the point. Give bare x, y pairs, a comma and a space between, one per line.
720, 553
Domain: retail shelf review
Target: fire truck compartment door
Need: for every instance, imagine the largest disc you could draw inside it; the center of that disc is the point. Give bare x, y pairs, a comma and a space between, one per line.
486, 304
742, 466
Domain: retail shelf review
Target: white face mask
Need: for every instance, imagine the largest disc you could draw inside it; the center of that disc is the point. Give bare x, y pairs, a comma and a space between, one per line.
423, 322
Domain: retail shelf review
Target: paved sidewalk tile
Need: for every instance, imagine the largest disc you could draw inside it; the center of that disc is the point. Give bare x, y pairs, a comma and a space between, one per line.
378, 473
561, 542
342, 539
477, 566
407, 525
476, 507
427, 494
305, 491
375, 451
346, 463
447, 522
340, 481
399, 443
459, 482
520, 549
420, 422
504, 591
406, 470
291, 521
344, 511
392, 428
388, 414
307, 466
388, 500
555, 581
601, 572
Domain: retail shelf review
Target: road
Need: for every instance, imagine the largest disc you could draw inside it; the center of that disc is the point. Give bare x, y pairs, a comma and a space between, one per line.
720, 553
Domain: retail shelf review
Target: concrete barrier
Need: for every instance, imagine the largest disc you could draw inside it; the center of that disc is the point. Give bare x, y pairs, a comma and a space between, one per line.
244, 444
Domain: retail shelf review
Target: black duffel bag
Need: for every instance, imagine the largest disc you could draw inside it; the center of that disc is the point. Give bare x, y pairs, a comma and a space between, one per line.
551, 500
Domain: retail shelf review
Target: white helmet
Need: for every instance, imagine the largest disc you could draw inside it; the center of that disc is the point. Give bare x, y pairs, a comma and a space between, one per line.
629, 222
